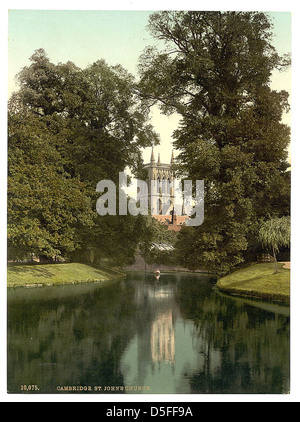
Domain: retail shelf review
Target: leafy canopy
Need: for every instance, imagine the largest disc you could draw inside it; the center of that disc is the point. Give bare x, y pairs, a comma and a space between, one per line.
215, 73
69, 128
275, 233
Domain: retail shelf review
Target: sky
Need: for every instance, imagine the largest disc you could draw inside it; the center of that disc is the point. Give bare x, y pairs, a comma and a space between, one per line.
118, 36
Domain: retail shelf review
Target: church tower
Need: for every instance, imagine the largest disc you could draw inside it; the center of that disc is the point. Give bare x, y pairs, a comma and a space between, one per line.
160, 181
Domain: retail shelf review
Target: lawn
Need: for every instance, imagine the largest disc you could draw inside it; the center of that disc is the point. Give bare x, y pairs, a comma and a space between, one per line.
48, 274
259, 281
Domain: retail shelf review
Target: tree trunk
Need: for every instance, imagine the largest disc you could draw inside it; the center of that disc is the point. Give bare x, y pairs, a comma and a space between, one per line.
275, 262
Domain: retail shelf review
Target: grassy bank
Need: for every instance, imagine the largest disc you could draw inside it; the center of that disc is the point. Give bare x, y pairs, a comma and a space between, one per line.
258, 281
49, 274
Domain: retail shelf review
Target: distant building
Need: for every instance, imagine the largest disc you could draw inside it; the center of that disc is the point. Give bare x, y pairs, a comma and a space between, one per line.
161, 195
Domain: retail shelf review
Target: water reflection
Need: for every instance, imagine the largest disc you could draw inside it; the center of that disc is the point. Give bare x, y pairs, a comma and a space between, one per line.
163, 338
142, 335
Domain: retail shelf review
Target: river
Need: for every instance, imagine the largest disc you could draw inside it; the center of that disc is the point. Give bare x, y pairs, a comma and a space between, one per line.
140, 335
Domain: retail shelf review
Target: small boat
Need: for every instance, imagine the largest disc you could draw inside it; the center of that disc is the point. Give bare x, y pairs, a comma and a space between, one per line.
157, 274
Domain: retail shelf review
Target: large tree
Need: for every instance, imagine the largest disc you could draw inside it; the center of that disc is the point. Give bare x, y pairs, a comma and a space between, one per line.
215, 72
46, 207
69, 128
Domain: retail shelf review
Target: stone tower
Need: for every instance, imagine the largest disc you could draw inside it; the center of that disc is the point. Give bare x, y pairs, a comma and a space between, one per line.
160, 181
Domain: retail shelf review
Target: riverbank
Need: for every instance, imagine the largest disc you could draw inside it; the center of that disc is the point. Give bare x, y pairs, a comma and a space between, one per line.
28, 275
259, 281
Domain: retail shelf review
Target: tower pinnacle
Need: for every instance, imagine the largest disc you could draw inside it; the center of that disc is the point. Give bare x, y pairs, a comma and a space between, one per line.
172, 157
152, 160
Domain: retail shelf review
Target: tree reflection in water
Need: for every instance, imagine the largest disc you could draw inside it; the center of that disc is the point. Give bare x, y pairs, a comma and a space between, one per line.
253, 342
177, 335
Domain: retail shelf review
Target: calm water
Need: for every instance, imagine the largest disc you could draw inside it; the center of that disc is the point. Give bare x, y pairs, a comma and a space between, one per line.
139, 335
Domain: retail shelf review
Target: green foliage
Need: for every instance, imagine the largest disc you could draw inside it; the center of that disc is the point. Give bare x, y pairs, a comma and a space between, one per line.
46, 207
68, 129
275, 233
95, 112
215, 72
113, 240
157, 232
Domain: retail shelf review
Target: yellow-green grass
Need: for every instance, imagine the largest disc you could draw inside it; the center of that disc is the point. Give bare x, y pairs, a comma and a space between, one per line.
49, 274
258, 281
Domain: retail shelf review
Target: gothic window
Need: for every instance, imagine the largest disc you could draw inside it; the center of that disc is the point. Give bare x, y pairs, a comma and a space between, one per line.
158, 185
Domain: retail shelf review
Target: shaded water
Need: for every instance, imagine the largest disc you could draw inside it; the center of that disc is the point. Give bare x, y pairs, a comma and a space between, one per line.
139, 335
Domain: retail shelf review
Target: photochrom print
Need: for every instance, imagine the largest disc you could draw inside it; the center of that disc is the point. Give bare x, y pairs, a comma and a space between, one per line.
148, 211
